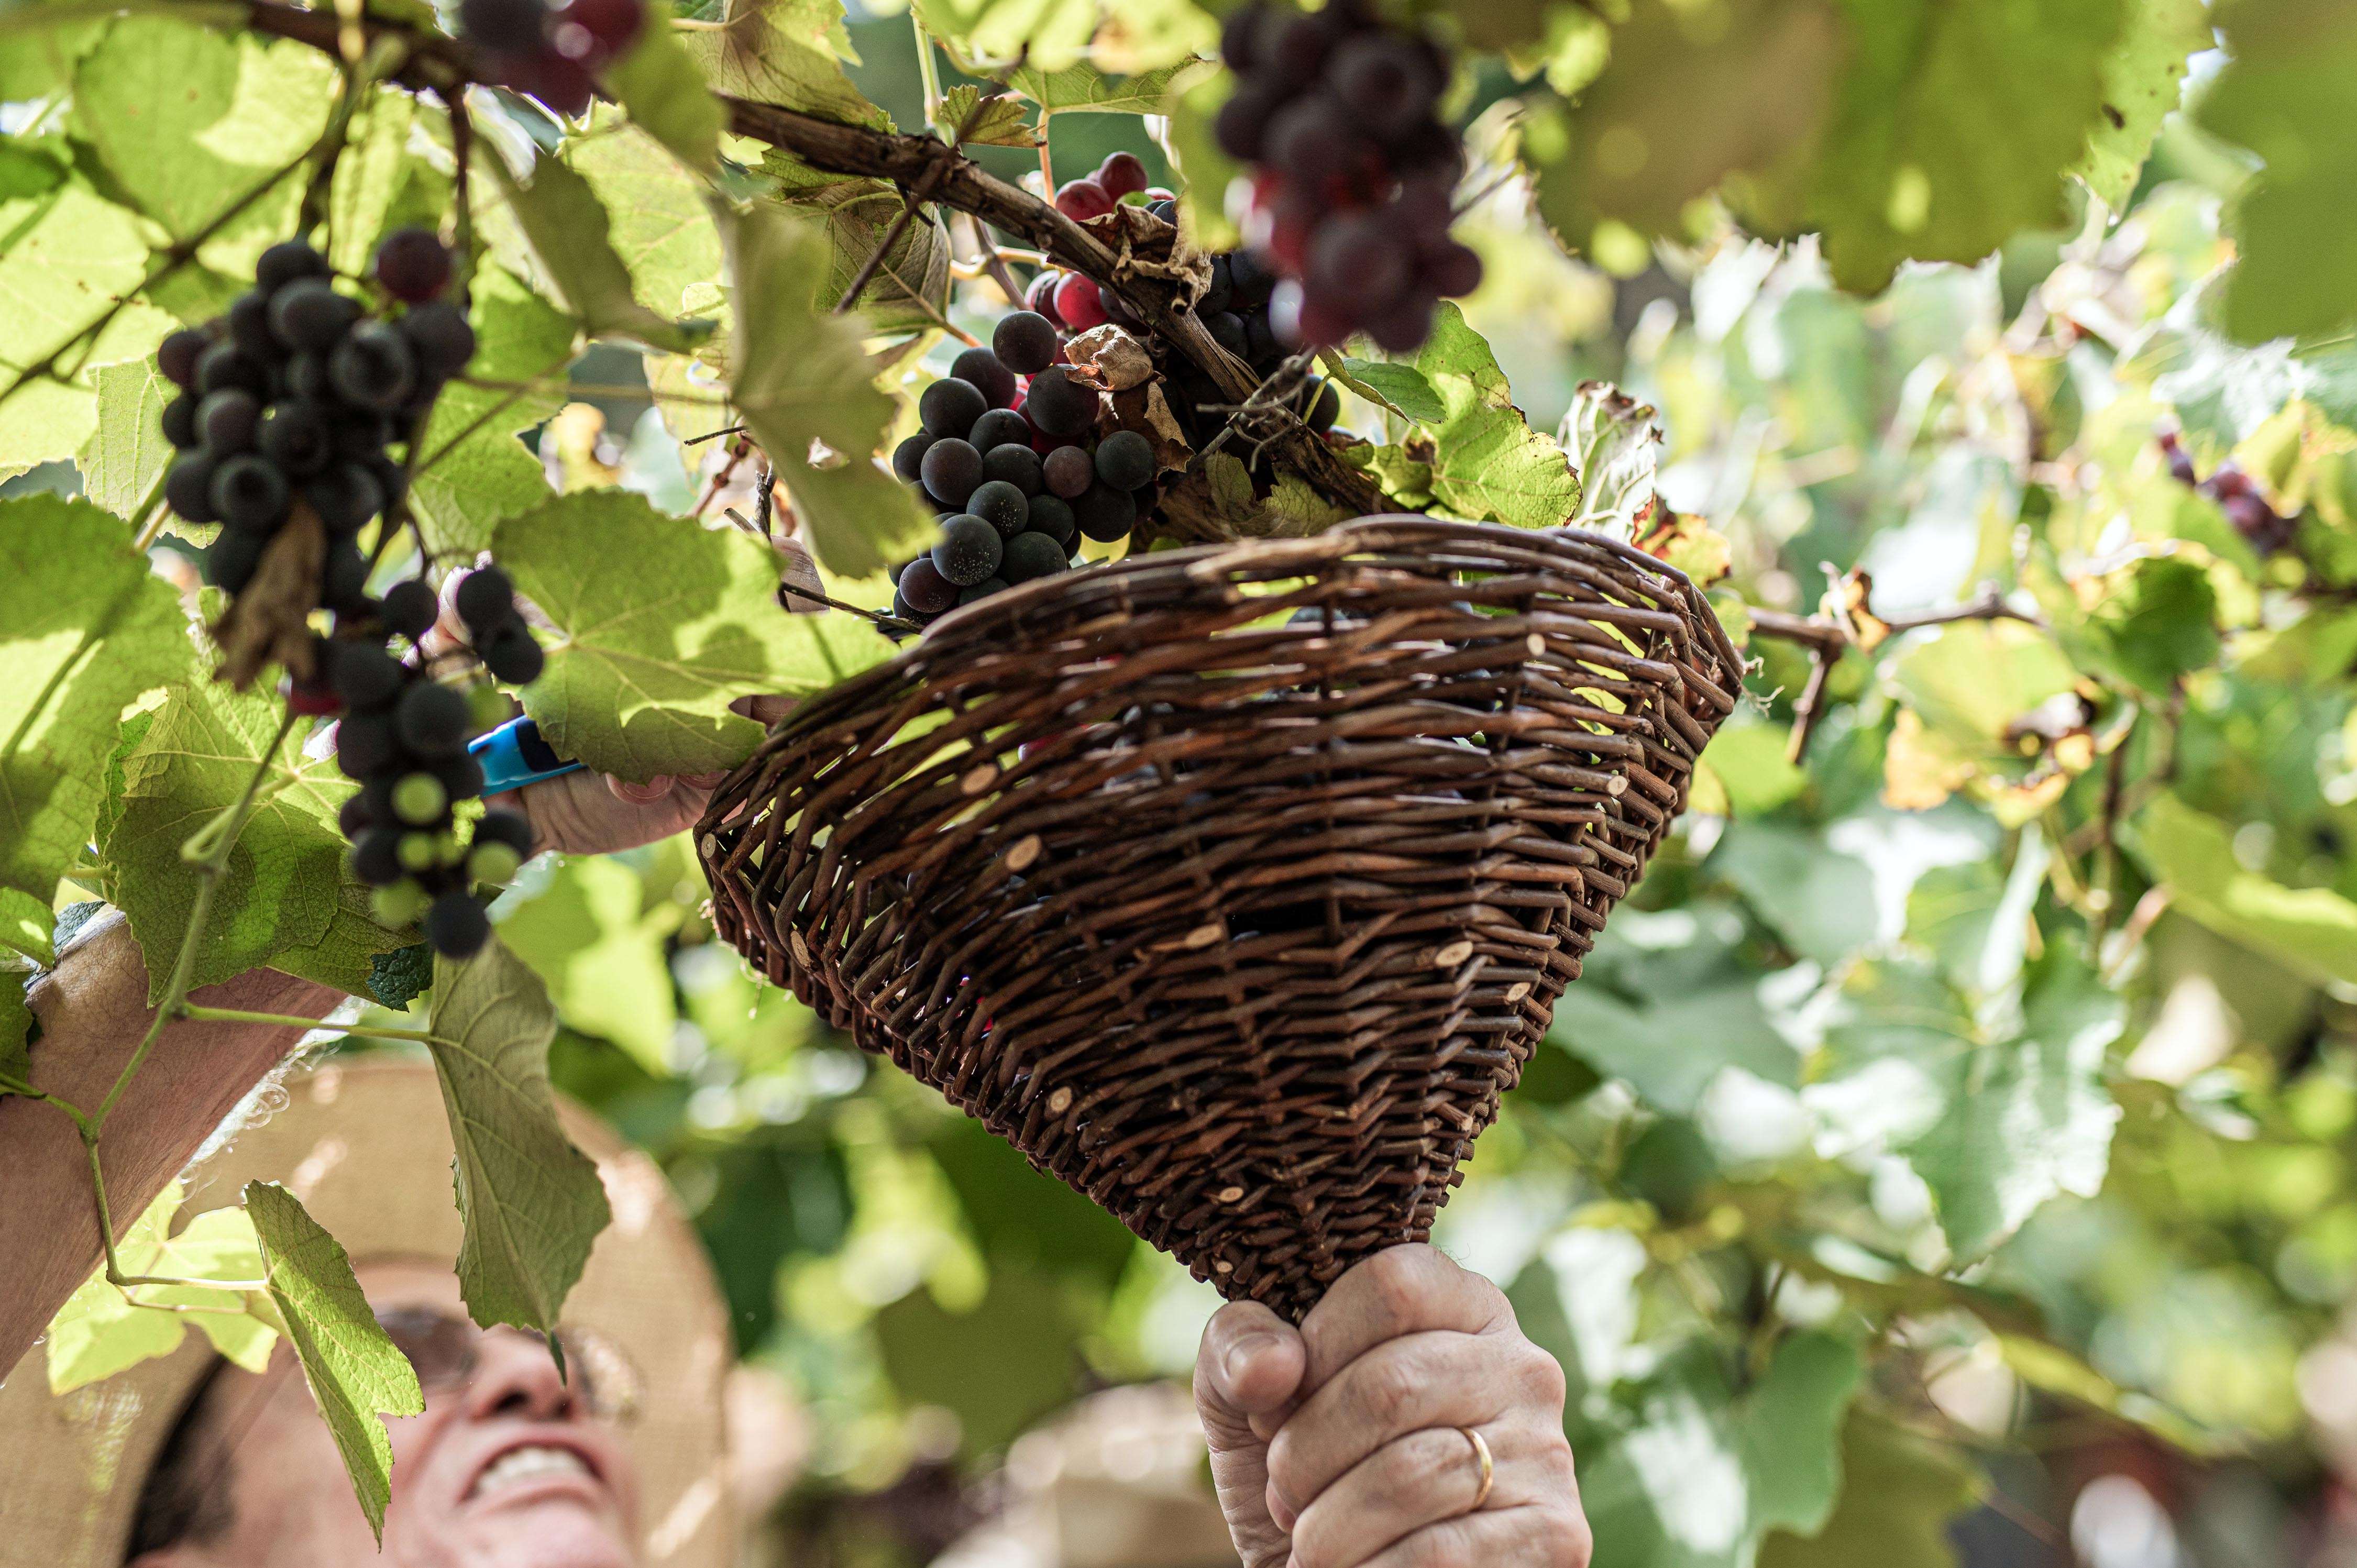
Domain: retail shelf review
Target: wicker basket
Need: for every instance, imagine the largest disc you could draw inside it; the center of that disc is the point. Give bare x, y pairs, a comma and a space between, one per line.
1233, 885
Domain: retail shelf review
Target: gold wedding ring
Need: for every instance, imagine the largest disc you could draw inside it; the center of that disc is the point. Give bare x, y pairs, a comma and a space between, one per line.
1489, 1473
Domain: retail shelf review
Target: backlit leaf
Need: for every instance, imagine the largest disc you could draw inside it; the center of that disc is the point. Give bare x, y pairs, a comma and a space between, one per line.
126, 454
2310, 931
570, 235
1398, 387
1487, 464
661, 83
604, 963
1000, 123
1614, 445
786, 52
2144, 76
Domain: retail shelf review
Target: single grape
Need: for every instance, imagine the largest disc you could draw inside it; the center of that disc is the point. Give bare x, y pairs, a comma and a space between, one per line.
440, 339
1052, 516
374, 366
1262, 345
952, 469
410, 607
295, 435
1122, 174
950, 406
1227, 329
230, 560
346, 495
309, 314
984, 368
433, 720
376, 857
982, 590
1453, 271
359, 433
1030, 555
1249, 282
287, 261
1013, 463
366, 746
1069, 472
1404, 328
461, 776
354, 818
518, 25
997, 428
1385, 81
1082, 200
1059, 405
343, 579
493, 862
305, 376
903, 610
927, 591
249, 494
485, 600
420, 852
456, 925
1242, 125
968, 550
1039, 298
411, 264
1025, 341
1001, 505
179, 422
1117, 310
1076, 302
249, 326
1166, 209
399, 906
512, 654
1237, 37
1125, 460
226, 421
505, 827
1220, 293
364, 675
177, 357
222, 367
908, 458
1326, 410
1105, 514
1357, 264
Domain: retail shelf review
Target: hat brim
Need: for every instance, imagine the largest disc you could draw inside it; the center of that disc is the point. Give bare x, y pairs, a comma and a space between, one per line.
366, 1146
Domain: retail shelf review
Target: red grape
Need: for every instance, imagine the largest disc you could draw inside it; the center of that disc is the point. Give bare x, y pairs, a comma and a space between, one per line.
1082, 200
1122, 174
1077, 303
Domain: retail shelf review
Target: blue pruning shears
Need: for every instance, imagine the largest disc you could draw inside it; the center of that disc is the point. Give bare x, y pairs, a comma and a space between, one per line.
514, 755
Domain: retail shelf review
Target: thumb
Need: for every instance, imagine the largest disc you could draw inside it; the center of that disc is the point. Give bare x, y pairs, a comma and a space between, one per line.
1246, 1377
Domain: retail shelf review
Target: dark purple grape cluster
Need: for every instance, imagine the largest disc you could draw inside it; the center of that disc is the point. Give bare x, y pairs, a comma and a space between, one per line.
486, 604
552, 53
1011, 458
1357, 173
295, 395
403, 739
2266, 529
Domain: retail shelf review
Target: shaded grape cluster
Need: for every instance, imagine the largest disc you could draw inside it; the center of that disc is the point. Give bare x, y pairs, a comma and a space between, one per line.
1011, 459
403, 739
2266, 529
1351, 199
486, 605
294, 396
552, 53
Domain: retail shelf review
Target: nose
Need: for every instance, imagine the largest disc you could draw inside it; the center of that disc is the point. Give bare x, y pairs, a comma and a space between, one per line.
515, 1375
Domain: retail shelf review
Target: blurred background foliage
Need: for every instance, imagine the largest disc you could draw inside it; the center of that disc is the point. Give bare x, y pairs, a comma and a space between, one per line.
1947, 1154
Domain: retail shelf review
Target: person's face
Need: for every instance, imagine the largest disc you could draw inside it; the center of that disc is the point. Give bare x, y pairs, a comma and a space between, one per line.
507, 1472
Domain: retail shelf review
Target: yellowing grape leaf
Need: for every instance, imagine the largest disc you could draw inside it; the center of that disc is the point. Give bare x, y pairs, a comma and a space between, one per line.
84, 629
355, 1372
532, 1202
661, 624
1486, 462
1000, 123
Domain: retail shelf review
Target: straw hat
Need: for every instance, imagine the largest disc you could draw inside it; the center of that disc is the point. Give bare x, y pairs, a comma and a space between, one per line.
366, 1146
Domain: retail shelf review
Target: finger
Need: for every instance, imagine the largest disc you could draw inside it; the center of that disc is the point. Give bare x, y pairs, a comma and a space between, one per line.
1406, 1385
1249, 1366
1401, 1290
1424, 1478
1552, 1534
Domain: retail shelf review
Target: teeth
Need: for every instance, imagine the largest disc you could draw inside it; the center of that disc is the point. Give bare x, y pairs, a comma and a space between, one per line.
520, 1464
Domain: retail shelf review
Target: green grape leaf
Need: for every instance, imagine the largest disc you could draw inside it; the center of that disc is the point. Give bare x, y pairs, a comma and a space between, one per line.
229, 109
1204, 169
85, 629
2310, 931
649, 659
126, 454
103, 1330
368, 174
25, 926
288, 897
1049, 35
1486, 462
477, 474
2284, 96
660, 224
347, 956
68, 253
570, 235
1398, 387
38, 62
787, 52
2144, 76
1084, 90
802, 378
532, 1202
661, 85
1688, 98
1721, 1026
355, 1372
1000, 123
1614, 445
909, 289
16, 1019
1900, 1493
27, 171
604, 963
1820, 900
1693, 1474
1950, 131
1404, 472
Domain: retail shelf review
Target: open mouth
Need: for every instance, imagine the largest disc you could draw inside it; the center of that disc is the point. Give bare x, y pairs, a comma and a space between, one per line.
528, 1463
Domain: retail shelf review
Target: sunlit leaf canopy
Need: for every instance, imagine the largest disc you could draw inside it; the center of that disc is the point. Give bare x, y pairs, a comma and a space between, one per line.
1964, 1102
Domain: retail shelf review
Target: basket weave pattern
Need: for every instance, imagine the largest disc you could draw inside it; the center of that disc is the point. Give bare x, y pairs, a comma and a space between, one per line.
1235, 919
